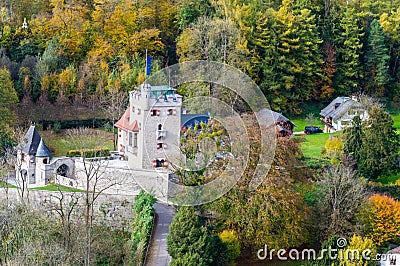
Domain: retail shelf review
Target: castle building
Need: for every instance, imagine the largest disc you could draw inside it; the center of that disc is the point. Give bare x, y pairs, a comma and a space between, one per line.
149, 130
35, 164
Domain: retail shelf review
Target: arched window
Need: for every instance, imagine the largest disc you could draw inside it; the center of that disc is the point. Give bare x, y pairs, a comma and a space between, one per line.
159, 127
63, 170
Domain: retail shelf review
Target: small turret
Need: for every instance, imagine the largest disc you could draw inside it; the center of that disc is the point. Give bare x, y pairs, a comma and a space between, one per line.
43, 152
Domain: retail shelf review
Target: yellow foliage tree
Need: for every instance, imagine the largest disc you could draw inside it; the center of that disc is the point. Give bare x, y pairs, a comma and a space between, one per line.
358, 251
383, 219
232, 243
334, 149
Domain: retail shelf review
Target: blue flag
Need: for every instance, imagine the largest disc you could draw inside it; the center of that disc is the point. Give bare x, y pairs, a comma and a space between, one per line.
148, 65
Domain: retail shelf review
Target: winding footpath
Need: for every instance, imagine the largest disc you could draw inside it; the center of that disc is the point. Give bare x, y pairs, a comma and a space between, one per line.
158, 255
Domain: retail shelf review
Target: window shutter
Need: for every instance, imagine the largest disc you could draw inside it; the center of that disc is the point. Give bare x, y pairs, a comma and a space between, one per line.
174, 112
154, 163
158, 112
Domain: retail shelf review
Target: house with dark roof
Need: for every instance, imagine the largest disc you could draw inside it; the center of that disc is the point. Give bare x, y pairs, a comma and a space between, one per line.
36, 166
340, 112
283, 126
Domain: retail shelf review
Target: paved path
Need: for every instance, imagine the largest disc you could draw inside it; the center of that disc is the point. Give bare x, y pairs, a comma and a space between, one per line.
158, 255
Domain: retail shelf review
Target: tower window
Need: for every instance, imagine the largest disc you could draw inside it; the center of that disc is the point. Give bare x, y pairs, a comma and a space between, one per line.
155, 112
159, 145
135, 140
160, 163
159, 127
170, 112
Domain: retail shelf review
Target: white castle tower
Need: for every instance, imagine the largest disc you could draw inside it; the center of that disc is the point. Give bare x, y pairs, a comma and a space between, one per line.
149, 130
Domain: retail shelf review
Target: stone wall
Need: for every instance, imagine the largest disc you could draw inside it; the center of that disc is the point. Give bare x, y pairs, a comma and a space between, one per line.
114, 211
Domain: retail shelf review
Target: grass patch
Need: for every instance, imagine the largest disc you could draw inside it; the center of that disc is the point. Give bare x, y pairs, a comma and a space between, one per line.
389, 178
396, 121
312, 145
301, 124
60, 144
5, 184
58, 188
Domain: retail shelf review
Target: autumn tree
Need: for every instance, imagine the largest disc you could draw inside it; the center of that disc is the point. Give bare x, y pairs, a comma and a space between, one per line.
343, 193
382, 218
8, 97
275, 212
360, 244
212, 39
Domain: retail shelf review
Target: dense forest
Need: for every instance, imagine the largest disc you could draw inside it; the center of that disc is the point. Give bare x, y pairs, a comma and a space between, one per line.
71, 51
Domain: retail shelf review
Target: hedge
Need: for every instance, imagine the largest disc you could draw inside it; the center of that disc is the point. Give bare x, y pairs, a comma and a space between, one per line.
142, 225
89, 153
67, 124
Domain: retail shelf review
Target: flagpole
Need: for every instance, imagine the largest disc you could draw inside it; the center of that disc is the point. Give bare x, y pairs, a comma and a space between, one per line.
145, 70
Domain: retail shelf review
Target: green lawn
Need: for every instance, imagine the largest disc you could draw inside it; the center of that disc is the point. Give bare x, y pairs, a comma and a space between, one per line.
60, 144
57, 188
5, 184
301, 124
312, 145
396, 121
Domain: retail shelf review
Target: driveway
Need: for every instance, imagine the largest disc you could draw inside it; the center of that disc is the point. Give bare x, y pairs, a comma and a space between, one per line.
158, 255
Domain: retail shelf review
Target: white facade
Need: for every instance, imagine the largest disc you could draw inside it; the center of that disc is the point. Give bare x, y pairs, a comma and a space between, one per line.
390, 259
149, 130
340, 112
34, 165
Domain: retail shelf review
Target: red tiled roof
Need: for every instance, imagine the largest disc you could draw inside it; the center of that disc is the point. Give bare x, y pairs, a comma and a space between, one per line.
124, 122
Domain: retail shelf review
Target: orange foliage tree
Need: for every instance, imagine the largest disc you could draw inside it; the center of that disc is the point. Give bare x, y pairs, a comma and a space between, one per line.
383, 219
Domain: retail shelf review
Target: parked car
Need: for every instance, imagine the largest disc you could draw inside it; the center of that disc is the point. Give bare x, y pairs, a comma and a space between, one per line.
312, 130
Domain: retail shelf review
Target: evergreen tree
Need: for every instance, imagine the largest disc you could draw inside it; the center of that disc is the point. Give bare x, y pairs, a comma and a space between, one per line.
349, 45
288, 63
353, 139
189, 243
377, 57
379, 153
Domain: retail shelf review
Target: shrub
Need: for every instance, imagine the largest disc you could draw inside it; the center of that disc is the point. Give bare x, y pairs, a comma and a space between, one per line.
352, 258
57, 127
89, 153
232, 244
142, 226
